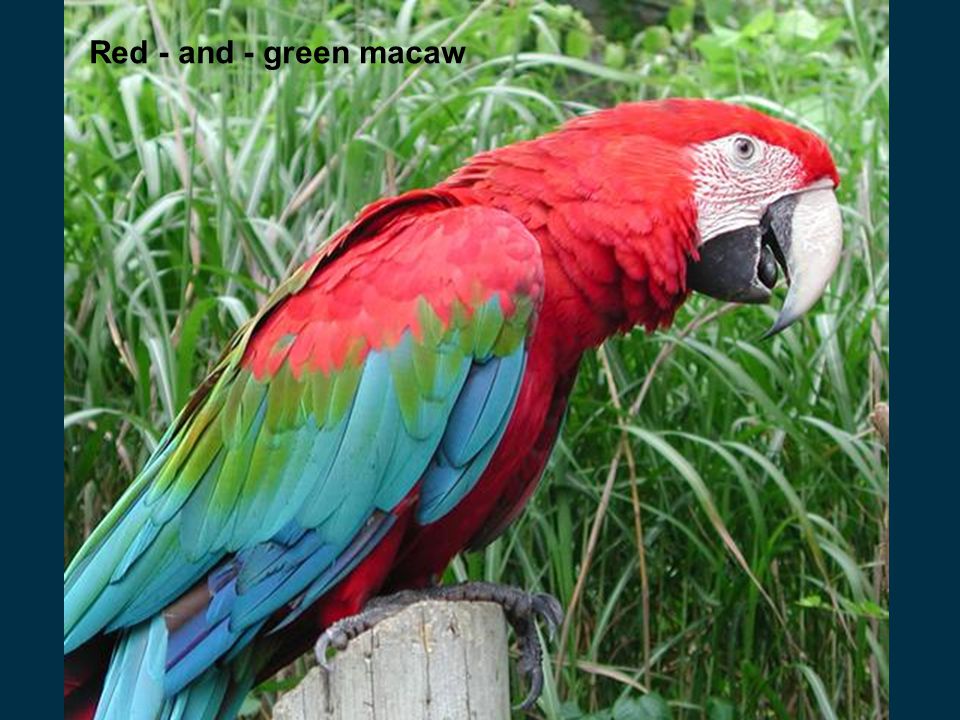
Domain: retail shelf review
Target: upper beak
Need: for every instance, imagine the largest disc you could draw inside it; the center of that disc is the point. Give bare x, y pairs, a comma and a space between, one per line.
802, 233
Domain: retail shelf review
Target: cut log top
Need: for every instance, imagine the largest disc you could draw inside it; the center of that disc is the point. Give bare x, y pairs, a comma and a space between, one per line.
433, 661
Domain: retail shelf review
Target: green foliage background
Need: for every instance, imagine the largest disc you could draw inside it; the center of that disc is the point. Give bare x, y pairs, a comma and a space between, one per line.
715, 515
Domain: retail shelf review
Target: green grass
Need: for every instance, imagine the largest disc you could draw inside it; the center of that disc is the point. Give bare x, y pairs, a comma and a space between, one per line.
715, 514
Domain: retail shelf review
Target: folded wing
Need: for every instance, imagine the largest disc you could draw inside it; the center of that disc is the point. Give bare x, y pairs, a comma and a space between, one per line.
385, 370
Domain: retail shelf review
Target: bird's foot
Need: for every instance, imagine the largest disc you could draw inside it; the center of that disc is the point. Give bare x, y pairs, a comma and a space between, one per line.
521, 608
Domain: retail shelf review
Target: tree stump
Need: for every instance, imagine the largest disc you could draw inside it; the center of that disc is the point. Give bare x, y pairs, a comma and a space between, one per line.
433, 660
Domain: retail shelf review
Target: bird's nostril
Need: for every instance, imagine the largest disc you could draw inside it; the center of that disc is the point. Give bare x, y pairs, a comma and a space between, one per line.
767, 269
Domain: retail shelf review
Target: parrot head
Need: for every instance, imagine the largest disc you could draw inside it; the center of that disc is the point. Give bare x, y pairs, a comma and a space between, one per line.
762, 192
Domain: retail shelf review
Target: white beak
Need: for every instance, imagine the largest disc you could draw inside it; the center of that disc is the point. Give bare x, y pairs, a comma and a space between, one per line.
809, 237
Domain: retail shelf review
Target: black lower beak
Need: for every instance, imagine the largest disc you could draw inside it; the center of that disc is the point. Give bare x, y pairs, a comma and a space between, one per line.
740, 266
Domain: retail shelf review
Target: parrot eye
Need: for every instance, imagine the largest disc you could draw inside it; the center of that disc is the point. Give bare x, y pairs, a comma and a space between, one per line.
743, 149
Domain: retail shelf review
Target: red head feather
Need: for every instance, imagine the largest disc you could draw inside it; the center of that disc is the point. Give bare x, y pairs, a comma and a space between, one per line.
688, 122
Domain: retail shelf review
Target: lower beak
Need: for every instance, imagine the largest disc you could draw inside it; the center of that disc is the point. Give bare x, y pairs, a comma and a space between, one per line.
800, 233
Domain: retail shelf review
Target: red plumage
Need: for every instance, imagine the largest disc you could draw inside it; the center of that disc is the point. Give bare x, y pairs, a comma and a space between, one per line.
367, 294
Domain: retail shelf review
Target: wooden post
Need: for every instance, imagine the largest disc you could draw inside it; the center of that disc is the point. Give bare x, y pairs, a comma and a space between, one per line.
433, 660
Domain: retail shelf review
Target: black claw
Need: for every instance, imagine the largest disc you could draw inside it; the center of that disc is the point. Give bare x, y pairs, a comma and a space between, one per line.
550, 609
339, 635
536, 687
530, 664
320, 650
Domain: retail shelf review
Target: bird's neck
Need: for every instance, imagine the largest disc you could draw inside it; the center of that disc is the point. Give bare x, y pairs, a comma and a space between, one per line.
612, 258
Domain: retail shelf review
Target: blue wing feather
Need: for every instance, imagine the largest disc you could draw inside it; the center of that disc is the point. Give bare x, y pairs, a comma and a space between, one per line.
477, 422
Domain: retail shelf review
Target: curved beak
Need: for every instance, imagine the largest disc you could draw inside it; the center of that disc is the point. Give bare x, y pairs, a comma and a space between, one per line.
800, 233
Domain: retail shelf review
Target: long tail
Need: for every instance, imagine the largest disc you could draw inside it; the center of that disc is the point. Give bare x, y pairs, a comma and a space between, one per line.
131, 686
217, 694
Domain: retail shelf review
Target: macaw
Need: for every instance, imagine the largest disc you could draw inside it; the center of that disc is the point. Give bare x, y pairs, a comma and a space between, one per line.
396, 399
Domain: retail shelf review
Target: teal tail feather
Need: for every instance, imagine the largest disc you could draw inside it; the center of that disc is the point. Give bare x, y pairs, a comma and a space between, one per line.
134, 685
133, 689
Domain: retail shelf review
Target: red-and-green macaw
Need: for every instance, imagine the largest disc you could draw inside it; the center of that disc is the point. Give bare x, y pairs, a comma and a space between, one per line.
396, 399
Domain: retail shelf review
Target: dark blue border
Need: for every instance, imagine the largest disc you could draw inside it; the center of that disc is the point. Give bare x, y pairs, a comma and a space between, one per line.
32, 318
924, 407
